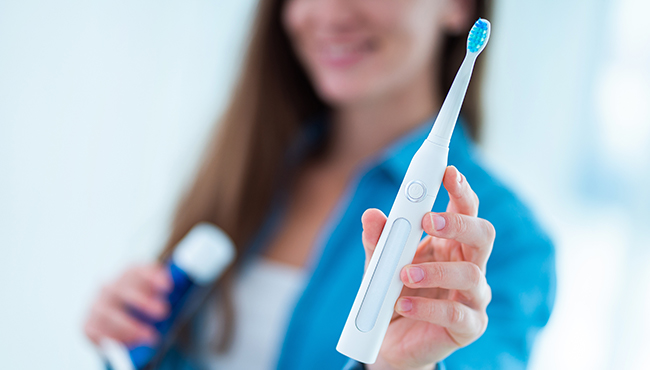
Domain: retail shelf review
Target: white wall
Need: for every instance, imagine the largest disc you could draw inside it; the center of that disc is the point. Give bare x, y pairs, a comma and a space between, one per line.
105, 107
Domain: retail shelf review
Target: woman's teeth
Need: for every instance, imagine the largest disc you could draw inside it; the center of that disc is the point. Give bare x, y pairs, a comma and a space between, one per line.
338, 50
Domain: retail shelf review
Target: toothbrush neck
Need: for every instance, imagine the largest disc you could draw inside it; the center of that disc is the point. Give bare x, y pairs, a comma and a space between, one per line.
448, 115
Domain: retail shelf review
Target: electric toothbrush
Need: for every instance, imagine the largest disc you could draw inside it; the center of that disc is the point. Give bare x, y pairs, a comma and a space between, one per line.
373, 306
198, 260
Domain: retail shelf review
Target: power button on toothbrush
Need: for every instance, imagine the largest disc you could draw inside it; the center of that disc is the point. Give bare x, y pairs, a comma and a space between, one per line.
416, 191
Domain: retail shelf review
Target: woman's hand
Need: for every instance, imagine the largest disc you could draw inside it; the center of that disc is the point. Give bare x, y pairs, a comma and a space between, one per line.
141, 288
442, 306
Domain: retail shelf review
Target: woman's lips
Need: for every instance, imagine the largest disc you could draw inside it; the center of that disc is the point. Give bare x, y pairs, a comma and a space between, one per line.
342, 55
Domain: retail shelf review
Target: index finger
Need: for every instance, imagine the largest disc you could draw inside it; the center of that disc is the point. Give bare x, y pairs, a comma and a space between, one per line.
462, 199
475, 234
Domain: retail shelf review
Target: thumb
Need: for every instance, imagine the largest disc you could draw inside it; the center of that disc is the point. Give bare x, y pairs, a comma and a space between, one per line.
373, 221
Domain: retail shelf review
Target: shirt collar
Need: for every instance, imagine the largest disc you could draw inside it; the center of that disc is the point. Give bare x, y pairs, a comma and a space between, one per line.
395, 159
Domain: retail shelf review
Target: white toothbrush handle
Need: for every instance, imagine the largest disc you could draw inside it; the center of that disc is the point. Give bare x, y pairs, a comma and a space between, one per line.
373, 306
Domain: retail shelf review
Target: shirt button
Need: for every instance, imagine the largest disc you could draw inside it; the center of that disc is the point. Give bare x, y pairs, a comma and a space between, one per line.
416, 191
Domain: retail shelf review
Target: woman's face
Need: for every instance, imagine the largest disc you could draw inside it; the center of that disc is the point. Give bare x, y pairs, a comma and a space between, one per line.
361, 50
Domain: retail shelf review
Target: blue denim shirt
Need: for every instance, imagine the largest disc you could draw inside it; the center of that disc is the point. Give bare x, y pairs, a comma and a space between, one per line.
520, 271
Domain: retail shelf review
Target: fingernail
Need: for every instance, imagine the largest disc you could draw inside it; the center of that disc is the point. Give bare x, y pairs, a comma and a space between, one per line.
415, 274
404, 305
459, 177
437, 221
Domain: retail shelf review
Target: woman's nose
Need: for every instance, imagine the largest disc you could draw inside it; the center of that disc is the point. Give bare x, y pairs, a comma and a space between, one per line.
336, 15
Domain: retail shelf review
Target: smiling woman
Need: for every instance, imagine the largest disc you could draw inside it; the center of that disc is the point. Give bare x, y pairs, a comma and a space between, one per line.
333, 100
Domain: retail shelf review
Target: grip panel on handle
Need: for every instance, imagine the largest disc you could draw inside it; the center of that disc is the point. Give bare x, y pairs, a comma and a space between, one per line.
383, 275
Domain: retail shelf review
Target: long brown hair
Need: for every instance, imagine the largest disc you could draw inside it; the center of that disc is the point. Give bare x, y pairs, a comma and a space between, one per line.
236, 182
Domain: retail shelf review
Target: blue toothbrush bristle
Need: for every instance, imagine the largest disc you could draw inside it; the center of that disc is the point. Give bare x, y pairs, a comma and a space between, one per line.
477, 36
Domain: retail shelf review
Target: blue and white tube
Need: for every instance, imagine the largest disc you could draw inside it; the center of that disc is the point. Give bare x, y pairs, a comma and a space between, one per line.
198, 260
374, 304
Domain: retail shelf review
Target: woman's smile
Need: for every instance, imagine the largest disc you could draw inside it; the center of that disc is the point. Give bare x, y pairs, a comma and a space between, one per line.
340, 53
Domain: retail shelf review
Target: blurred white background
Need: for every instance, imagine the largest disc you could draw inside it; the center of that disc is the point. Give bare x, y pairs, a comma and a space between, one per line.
105, 107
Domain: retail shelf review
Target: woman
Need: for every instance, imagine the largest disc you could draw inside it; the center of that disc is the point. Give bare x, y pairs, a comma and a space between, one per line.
334, 98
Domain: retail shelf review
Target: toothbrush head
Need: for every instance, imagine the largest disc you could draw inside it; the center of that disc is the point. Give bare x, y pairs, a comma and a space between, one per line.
478, 36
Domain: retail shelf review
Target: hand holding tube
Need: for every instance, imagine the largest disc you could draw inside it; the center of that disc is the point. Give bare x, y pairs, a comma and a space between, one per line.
131, 308
140, 287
